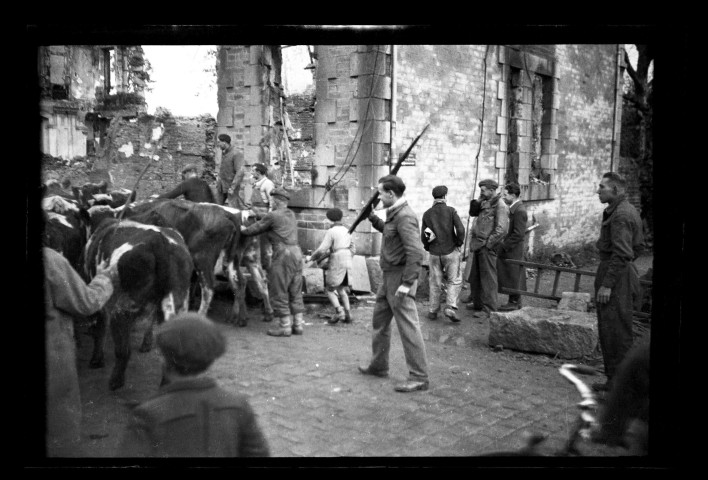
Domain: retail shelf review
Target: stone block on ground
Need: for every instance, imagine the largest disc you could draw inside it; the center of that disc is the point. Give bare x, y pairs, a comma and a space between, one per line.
358, 275
574, 302
566, 334
314, 280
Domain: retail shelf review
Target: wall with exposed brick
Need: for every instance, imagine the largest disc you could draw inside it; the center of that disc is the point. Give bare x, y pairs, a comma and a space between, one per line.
443, 85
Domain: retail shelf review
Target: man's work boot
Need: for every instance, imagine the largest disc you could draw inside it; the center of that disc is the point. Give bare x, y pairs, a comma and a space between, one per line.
298, 324
347, 317
412, 386
284, 329
472, 306
511, 306
339, 315
451, 314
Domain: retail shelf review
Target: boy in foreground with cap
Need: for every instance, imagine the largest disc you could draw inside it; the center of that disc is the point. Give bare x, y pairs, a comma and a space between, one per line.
191, 416
338, 244
442, 234
486, 235
285, 274
192, 187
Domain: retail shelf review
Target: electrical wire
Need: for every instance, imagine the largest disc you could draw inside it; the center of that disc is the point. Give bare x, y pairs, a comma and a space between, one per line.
360, 133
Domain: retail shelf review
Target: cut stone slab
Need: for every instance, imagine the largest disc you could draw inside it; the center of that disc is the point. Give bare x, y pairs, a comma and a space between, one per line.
574, 301
359, 275
314, 280
563, 333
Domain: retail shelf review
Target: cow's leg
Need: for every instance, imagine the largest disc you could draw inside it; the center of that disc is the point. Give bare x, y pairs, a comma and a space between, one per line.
206, 281
121, 324
148, 338
259, 277
98, 332
238, 286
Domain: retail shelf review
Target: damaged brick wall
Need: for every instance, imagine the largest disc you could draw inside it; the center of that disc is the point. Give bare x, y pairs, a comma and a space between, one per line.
442, 85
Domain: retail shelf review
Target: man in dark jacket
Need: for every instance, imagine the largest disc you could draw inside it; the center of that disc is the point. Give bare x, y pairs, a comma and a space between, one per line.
617, 281
285, 274
512, 248
231, 174
401, 257
191, 416
192, 187
487, 233
442, 234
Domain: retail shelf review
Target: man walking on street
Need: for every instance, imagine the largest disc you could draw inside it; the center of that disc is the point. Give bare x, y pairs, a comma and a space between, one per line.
401, 257
487, 233
285, 274
231, 173
442, 234
617, 281
512, 248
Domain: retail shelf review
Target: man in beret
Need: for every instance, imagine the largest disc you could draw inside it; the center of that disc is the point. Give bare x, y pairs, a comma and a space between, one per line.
191, 416
442, 234
231, 174
192, 187
401, 257
285, 274
487, 233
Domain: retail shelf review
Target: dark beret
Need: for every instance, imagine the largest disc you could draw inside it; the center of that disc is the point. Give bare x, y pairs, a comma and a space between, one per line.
280, 192
190, 342
439, 191
334, 214
224, 138
489, 183
190, 167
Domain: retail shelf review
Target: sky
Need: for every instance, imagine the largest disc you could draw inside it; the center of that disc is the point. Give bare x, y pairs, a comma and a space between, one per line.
181, 85
179, 81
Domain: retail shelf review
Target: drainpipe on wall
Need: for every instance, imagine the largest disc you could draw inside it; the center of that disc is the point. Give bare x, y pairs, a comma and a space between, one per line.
392, 145
614, 112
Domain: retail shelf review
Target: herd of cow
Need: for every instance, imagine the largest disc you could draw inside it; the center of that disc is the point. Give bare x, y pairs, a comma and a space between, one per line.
167, 251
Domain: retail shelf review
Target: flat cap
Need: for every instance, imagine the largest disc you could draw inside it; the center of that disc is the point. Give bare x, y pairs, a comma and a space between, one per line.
489, 183
280, 192
334, 214
190, 342
439, 191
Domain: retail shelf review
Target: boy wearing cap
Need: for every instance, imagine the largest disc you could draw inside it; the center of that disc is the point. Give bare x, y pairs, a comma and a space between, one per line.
191, 416
442, 234
231, 173
486, 235
192, 187
285, 274
338, 244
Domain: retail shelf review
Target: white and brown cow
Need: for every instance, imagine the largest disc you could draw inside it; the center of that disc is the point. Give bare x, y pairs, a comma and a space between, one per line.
155, 268
213, 235
91, 194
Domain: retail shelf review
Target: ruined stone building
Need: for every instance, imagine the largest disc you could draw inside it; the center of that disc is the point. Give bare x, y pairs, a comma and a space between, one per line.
545, 116
93, 119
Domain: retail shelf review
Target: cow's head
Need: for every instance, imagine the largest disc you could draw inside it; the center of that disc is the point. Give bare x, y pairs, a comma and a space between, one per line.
85, 194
